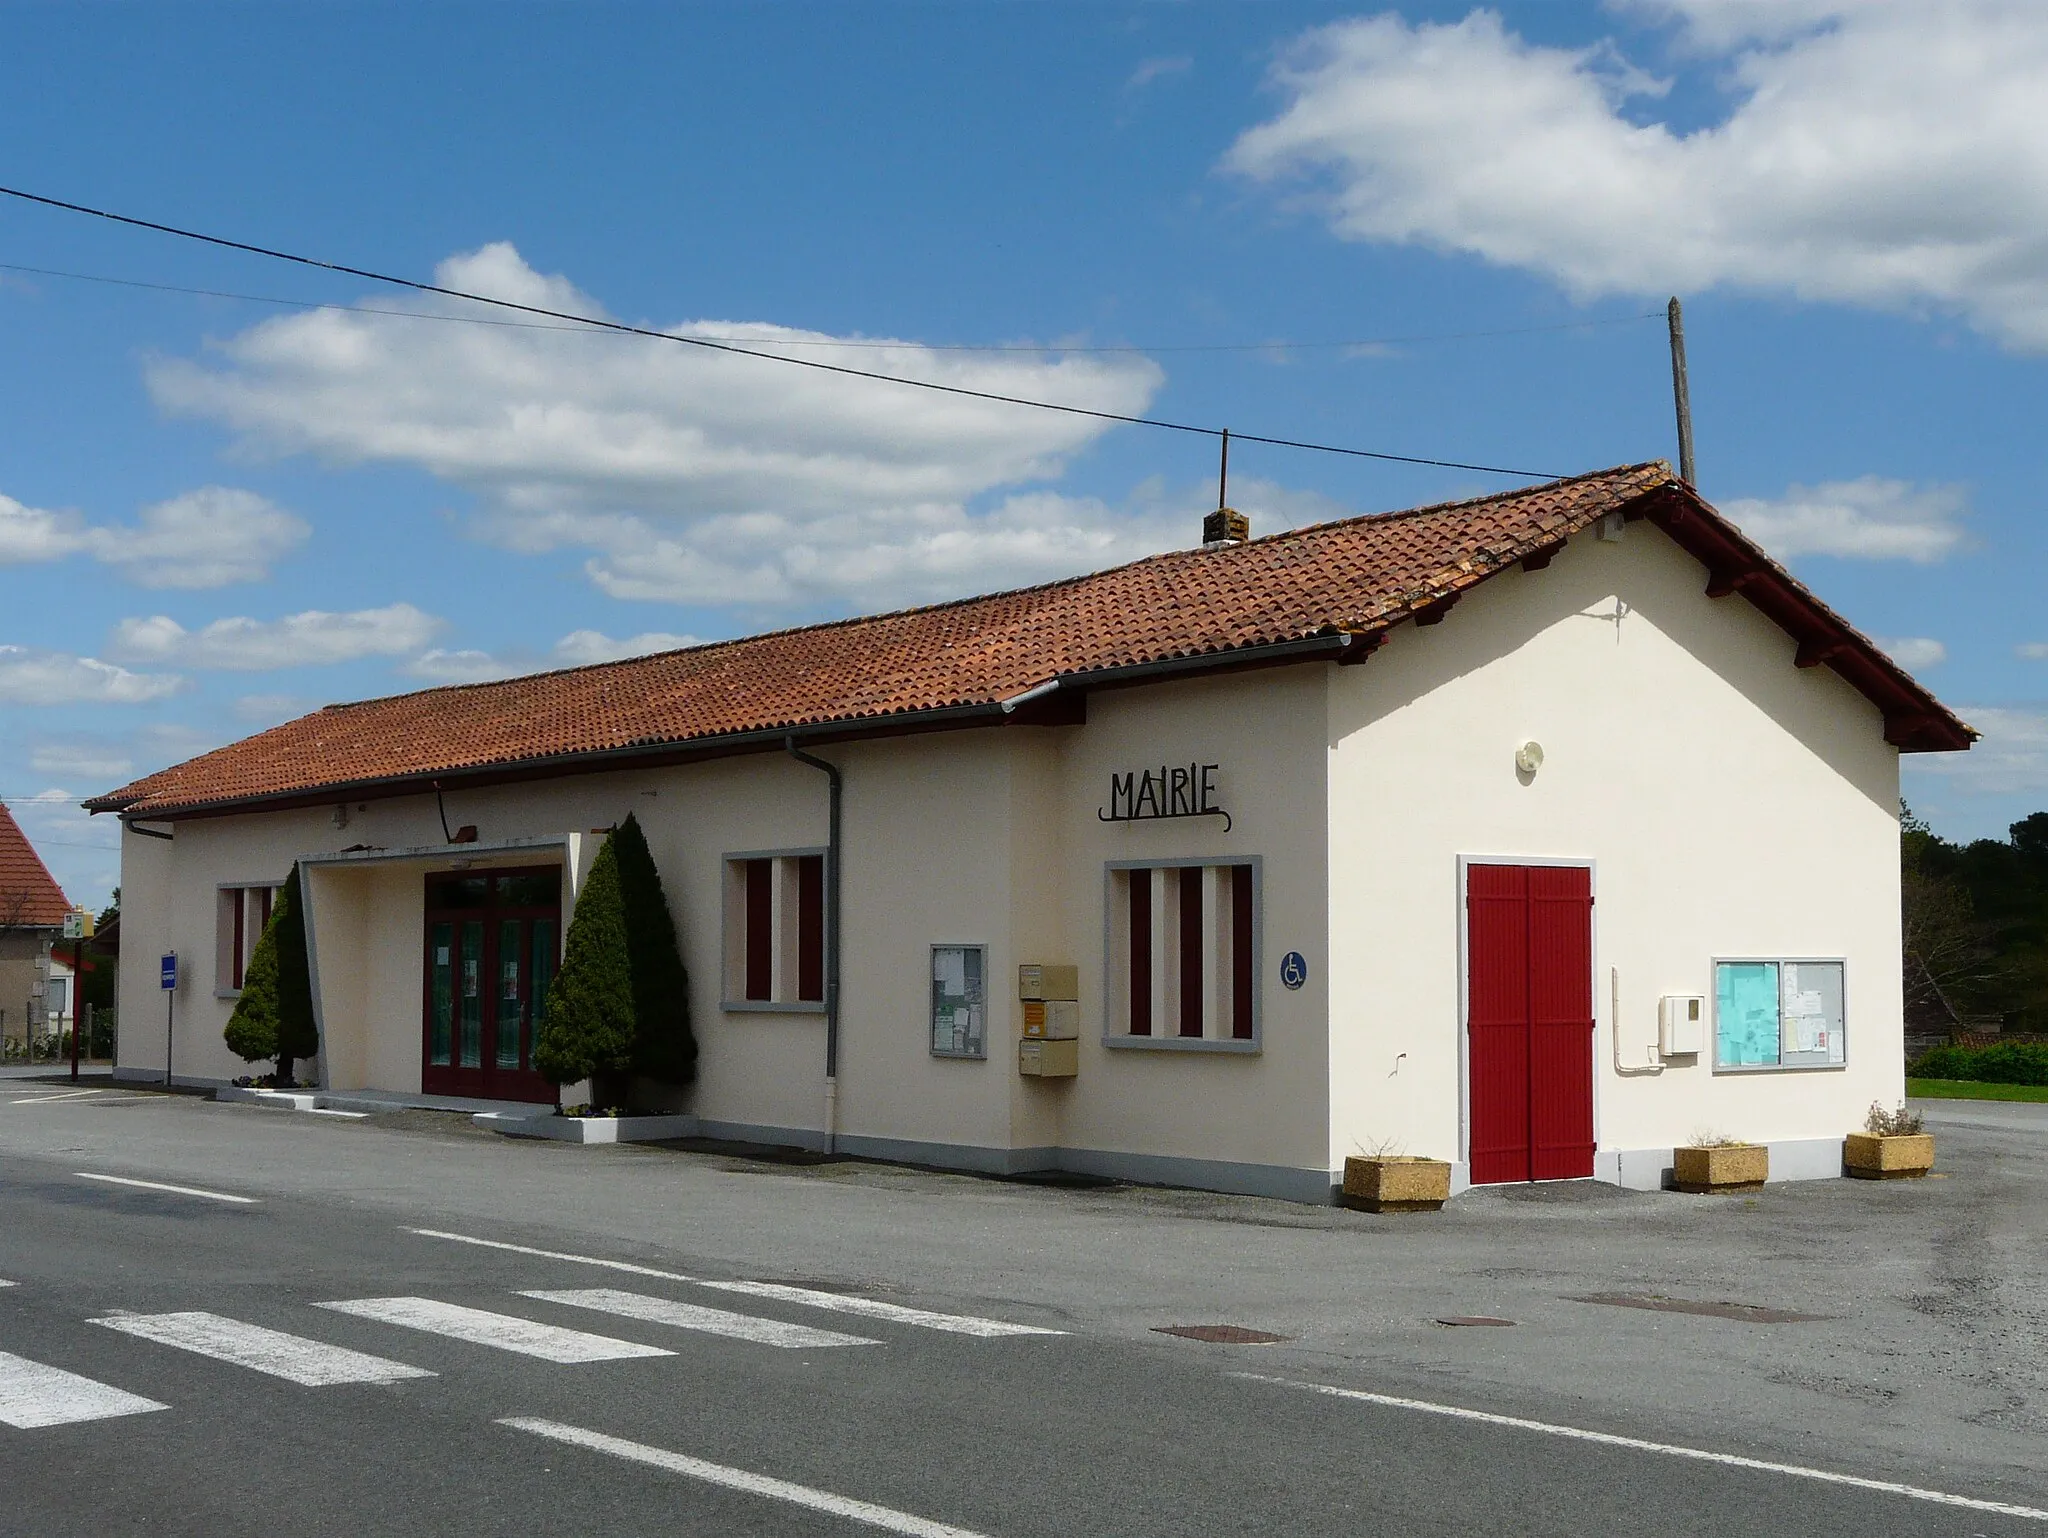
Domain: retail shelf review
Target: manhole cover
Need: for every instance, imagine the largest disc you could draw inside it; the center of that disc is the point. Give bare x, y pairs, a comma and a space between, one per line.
1220, 1334
1458, 1321
1749, 1313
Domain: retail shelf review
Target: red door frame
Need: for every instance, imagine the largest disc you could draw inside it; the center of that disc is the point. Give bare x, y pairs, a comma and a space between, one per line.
486, 1081
1558, 1132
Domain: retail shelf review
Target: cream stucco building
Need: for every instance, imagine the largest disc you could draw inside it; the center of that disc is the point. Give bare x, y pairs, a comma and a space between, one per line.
1538, 833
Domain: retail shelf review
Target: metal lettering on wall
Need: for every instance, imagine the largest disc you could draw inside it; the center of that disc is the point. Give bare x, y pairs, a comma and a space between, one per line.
1177, 790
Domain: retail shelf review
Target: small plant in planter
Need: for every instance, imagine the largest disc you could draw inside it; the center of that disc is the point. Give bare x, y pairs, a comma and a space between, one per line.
1713, 1165
1893, 1145
1382, 1180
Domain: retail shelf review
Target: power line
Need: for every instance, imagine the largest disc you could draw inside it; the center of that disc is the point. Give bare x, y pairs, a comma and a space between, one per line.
1028, 348
746, 352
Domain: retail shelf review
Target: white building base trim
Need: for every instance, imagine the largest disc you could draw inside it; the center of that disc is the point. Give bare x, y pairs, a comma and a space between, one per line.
1649, 1169
587, 1129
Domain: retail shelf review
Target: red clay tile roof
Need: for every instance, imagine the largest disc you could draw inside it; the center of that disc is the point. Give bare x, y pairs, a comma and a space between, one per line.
1347, 580
29, 895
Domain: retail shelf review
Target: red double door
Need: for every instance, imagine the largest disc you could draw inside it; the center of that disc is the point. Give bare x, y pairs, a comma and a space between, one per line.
1529, 1021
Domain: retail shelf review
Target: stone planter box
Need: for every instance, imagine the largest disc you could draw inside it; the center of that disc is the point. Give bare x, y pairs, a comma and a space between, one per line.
1870, 1157
1394, 1184
1712, 1171
589, 1129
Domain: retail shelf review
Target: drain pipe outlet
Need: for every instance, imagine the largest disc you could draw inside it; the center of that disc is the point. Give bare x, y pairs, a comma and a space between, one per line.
831, 941
1648, 1070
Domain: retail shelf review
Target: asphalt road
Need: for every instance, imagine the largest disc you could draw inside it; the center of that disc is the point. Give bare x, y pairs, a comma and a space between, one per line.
1103, 1428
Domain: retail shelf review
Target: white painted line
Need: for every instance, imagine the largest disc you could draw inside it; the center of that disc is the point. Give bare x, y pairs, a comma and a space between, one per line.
874, 1308
73, 1094
810, 1297
291, 1357
527, 1249
481, 1328
33, 1395
4, 1283
158, 1185
321, 1110
688, 1316
1637, 1444
740, 1479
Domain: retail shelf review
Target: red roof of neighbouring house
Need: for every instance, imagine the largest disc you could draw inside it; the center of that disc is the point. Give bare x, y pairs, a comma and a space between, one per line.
1335, 586
29, 894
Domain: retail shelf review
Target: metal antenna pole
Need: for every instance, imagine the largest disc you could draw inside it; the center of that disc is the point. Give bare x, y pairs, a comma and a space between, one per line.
1223, 473
1681, 395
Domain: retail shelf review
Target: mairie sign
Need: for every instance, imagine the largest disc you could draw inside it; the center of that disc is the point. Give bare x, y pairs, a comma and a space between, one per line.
1176, 790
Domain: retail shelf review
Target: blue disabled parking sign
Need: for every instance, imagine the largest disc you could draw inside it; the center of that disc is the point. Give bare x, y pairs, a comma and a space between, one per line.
169, 976
1293, 969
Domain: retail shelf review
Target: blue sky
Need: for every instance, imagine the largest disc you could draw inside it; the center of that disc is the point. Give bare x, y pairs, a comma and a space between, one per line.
216, 512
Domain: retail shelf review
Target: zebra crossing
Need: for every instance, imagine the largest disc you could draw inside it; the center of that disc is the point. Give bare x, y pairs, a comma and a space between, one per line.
35, 1395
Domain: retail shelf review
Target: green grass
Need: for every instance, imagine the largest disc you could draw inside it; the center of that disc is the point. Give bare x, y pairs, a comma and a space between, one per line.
1969, 1089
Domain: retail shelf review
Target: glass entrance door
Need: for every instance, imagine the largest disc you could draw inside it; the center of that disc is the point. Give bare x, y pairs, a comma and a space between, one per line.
493, 940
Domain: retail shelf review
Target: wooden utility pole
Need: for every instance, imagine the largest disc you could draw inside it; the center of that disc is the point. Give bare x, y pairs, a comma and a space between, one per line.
1681, 396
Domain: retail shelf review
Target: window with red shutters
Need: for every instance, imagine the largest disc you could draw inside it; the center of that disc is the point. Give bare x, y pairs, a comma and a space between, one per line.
1183, 962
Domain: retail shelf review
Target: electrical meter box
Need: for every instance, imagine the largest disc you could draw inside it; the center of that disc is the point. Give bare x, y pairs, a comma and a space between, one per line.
1052, 1019
1037, 980
1681, 1025
1040, 1059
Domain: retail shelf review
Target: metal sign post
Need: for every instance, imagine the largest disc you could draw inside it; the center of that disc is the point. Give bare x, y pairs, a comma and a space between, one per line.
167, 979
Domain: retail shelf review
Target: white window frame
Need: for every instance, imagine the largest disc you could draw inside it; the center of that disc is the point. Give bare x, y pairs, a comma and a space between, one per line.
1714, 1013
1166, 975
782, 923
224, 931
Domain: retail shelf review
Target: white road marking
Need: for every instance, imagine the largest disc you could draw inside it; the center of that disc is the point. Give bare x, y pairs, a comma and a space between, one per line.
527, 1249
740, 1479
4, 1283
158, 1185
73, 1094
33, 1395
688, 1316
479, 1327
841, 1303
291, 1357
321, 1110
874, 1308
1638, 1444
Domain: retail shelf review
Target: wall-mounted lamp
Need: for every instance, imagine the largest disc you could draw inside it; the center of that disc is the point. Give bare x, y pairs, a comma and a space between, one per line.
1529, 758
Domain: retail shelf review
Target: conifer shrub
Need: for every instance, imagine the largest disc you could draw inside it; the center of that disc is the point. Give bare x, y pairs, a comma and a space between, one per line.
664, 1047
587, 1029
274, 1016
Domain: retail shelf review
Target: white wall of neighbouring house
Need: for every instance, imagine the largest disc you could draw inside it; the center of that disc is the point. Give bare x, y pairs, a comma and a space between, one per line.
1732, 804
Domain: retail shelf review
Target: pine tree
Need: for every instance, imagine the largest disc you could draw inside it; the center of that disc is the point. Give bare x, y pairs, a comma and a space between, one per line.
664, 1047
586, 1032
274, 1015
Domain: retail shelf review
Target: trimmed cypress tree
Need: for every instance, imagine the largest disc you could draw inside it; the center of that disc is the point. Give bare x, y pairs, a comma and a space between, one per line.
664, 1047
274, 1015
586, 1032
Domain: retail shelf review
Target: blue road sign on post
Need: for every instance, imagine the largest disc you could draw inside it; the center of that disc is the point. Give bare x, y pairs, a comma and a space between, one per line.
169, 977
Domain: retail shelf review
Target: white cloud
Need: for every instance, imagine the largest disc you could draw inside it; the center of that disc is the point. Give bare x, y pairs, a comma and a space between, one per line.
2010, 758
579, 647
97, 762
32, 676
721, 469
917, 555
1913, 652
576, 649
1159, 68
33, 534
207, 538
297, 640
1871, 518
2033, 651
1891, 153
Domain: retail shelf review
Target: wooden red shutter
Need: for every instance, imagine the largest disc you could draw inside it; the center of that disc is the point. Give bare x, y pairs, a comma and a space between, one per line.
1193, 955
1241, 974
810, 928
760, 929
1141, 951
